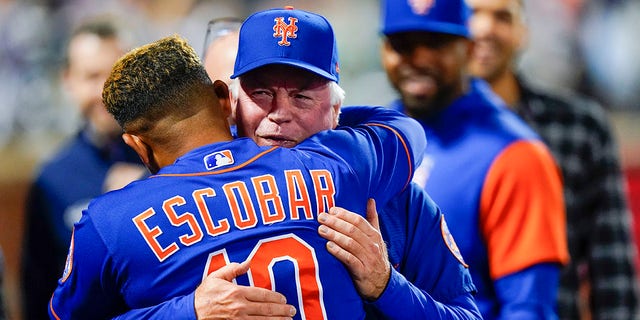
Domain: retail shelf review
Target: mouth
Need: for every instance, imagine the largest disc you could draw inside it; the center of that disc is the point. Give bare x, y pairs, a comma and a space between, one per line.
484, 51
419, 85
280, 141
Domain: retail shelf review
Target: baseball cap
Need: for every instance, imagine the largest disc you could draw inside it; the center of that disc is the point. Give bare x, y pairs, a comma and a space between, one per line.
442, 16
287, 36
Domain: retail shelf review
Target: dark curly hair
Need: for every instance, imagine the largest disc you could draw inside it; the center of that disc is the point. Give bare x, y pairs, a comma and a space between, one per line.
155, 81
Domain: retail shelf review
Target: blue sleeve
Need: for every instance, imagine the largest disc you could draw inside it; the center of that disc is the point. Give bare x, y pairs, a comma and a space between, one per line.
179, 308
430, 279
409, 129
86, 289
529, 294
401, 294
382, 146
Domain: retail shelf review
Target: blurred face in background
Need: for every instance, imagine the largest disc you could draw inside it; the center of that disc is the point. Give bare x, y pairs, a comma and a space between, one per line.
219, 60
428, 69
499, 30
221, 57
90, 59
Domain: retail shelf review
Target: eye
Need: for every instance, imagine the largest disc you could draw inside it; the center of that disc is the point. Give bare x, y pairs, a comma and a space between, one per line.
261, 93
405, 43
504, 16
301, 96
400, 45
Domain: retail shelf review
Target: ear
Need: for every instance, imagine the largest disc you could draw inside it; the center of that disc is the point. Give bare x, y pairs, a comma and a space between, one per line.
142, 149
234, 106
222, 91
336, 115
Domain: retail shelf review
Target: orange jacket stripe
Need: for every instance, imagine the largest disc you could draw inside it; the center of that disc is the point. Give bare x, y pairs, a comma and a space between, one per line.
506, 216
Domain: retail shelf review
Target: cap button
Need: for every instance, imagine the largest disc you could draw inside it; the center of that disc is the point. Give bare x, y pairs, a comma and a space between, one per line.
288, 7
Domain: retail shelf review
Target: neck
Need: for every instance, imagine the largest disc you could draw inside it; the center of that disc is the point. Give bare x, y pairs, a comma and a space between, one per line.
506, 86
194, 142
186, 135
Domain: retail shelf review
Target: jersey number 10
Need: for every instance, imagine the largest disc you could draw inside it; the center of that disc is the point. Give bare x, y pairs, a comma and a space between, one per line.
266, 254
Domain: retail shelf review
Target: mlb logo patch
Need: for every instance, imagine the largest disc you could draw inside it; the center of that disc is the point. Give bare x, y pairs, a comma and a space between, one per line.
218, 159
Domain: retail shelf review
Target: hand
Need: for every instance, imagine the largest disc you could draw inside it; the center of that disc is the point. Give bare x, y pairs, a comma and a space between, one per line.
219, 298
121, 174
358, 244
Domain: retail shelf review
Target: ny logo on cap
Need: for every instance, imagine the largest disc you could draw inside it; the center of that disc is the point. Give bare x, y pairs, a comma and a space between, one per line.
284, 30
420, 7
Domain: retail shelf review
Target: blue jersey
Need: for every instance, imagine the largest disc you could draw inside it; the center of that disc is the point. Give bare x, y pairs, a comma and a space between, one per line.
157, 238
436, 285
430, 279
501, 191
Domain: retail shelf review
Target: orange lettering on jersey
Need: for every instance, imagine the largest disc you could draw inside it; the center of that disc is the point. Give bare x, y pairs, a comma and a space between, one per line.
150, 236
290, 248
267, 193
216, 261
325, 190
178, 220
284, 31
211, 227
298, 195
234, 190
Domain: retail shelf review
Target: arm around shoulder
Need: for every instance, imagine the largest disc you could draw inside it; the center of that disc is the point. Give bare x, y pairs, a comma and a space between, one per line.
410, 130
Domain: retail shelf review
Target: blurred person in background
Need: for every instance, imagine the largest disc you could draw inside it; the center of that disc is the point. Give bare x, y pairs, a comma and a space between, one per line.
491, 175
579, 135
221, 47
219, 53
93, 161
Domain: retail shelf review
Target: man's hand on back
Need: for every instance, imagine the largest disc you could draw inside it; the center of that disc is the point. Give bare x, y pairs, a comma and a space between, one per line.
218, 297
357, 242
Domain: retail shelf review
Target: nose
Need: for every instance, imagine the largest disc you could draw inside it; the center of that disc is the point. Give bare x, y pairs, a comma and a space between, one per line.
421, 56
481, 25
281, 108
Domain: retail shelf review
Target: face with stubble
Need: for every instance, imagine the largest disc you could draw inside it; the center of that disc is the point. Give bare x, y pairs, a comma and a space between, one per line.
427, 69
90, 59
283, 105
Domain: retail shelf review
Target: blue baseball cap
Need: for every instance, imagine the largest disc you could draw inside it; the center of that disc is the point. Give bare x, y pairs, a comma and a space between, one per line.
442, 16
287, 36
